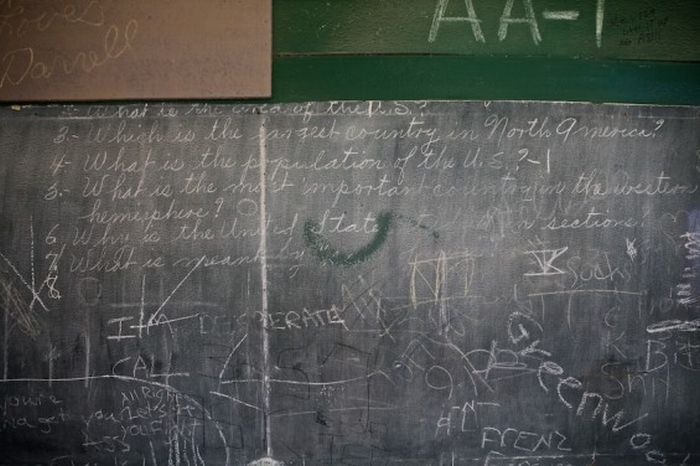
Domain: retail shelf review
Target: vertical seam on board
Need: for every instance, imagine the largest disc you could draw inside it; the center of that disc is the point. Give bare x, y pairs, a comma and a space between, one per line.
263, 280
31, 259
88, 348
6, 333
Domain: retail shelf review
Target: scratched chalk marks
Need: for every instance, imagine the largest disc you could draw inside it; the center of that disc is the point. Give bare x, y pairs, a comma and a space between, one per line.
444, 283
545, 261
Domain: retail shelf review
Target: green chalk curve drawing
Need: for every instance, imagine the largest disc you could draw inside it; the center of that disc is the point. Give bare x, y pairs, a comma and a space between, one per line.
327, 253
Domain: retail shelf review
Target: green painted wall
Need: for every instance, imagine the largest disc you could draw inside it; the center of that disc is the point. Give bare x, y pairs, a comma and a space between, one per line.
604, 50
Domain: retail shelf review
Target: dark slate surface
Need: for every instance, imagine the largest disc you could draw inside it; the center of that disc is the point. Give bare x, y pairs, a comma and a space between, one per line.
467, 283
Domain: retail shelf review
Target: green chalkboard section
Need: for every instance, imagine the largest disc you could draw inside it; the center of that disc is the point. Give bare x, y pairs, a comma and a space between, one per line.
635, 51
625, 29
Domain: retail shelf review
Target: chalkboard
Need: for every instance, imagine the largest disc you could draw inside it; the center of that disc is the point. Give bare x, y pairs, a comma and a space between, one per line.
128, 49
410, 282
